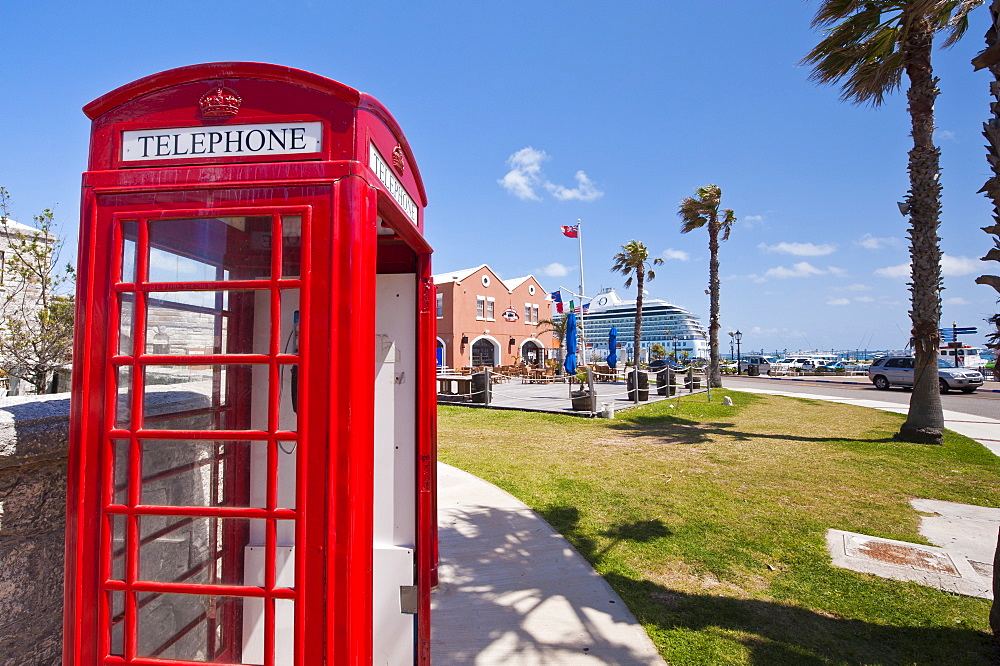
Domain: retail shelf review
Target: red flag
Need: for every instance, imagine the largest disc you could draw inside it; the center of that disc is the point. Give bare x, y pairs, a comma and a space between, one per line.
571, 232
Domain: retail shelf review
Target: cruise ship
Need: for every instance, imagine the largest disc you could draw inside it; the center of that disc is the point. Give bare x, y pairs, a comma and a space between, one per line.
673, 327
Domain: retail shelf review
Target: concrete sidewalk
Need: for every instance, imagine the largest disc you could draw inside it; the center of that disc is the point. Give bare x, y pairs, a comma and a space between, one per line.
514, 592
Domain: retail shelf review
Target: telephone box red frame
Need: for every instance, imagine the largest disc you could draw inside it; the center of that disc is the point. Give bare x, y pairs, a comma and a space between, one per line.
353, 228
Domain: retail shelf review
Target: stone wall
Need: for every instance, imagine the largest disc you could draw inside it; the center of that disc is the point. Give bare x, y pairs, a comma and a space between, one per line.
33, 449
34, 433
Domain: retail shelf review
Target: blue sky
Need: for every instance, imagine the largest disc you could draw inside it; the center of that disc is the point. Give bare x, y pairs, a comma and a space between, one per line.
527, 116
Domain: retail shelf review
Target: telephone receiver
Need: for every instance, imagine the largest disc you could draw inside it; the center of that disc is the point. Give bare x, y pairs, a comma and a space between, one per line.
295, 368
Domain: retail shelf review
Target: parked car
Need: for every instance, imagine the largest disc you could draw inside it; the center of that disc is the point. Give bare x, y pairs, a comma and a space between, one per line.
839, 366
754, 365
662, 363
803, 363
898, 371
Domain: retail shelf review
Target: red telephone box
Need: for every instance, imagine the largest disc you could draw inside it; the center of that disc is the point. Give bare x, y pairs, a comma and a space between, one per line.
252, 449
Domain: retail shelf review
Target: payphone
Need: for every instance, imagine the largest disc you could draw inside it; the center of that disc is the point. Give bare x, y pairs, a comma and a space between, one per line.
252, 432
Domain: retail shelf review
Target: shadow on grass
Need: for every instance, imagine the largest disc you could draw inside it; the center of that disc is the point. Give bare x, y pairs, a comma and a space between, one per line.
774, 633
672, 427
698, 625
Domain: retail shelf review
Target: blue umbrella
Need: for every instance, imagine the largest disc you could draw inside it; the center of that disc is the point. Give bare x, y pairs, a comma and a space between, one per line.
613, 347
570, 363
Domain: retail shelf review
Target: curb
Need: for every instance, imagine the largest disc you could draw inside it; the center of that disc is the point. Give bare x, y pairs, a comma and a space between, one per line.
838, 381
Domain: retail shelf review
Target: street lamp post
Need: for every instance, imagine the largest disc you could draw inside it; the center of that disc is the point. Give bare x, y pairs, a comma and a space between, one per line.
738, 336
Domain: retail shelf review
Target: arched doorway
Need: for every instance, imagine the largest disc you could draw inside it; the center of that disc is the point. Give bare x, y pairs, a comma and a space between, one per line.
440, 352
484, 352
532, 352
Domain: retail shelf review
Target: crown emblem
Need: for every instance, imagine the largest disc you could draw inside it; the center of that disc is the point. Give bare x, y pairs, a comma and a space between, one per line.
397, 159
219, 103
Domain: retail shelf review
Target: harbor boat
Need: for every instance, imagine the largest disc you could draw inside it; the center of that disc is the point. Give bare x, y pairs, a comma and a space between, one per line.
679, 331
965, 356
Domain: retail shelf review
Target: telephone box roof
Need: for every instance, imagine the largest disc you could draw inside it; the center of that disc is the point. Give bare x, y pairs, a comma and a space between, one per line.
251, 70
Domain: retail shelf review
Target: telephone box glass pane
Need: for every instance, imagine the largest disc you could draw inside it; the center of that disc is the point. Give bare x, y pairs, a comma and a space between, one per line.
116, 620
123, 410
120, 449
129, 235
210, 249
200, 473
291, 246
192, 323
206, 397
193, 550
118, 523
126, 323
188, 627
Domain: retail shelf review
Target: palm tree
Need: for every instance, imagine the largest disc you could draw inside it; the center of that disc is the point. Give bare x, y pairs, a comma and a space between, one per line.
558, 328
696, 212
867, 48
633, 262
990, 57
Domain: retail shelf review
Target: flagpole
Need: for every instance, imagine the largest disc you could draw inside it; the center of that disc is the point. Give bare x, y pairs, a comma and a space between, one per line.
583, 290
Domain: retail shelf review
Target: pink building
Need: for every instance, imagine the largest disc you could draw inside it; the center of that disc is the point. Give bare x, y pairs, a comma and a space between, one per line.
485, 321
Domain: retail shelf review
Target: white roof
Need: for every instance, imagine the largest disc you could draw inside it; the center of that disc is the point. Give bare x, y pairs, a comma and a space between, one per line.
7, 224
517, 282
456, 276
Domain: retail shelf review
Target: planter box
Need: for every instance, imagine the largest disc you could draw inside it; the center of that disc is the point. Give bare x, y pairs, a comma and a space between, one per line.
583, 402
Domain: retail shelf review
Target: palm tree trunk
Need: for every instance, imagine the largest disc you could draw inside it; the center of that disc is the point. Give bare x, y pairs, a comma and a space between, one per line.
640, 279
925, 420
991, 130
715, 373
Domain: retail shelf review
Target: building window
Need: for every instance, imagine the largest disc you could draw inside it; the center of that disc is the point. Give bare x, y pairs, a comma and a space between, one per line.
490, 303
480, 307
440, 306
527, 313
534, 314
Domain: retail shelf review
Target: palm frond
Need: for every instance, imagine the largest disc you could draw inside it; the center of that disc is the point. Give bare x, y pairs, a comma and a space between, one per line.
862, 47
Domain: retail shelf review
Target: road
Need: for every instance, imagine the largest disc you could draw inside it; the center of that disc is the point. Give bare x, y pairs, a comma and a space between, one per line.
984, 402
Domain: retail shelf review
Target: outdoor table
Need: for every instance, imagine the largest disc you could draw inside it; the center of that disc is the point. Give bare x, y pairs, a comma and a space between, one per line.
454, 384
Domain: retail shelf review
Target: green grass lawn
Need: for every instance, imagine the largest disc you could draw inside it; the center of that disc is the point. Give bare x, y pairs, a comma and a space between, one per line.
710, 521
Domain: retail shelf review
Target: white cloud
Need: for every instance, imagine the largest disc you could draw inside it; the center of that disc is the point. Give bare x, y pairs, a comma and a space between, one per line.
834, 270
864, 299
801, 269
799, 249
899, 271
555, 269
584, 191
525, 173
950, 266
870, 242
839, 301
958, 265
752, 218
944, 135
679, 255
857, 286
956, 300
526, 177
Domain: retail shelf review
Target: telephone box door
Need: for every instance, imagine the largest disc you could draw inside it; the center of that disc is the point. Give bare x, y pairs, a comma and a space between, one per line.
204, 486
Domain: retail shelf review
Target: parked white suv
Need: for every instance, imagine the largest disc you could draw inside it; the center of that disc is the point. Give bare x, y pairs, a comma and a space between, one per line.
898, 371
754, 365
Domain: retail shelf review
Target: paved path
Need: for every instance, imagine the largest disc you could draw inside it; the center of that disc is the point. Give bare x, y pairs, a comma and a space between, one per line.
554, 397
513, 592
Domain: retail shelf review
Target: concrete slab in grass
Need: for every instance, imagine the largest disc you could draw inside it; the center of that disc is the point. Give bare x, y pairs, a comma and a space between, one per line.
901, 560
